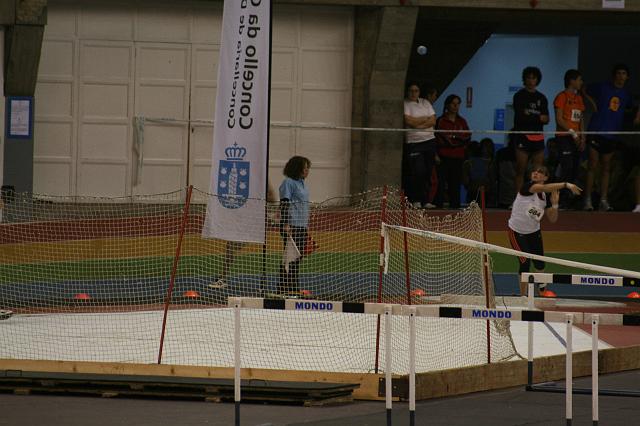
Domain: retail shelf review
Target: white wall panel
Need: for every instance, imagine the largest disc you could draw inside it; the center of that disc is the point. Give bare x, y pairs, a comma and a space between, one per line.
326, 27
59, 177
104, 63
104, 141
113, 21
56, 139
157, 22
101, 178
207, 21
62, 21
56, 60
55, 99
101, 101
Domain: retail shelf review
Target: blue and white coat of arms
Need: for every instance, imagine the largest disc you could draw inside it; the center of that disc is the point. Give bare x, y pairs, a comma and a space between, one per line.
233, 178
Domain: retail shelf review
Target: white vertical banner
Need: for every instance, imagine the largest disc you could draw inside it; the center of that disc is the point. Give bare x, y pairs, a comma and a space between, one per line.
235, 212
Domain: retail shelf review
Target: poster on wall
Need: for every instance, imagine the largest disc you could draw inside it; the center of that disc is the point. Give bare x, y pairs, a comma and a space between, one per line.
19, 117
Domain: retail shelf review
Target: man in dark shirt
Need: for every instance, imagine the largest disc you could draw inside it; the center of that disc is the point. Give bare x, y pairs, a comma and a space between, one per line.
531, 110
610, 100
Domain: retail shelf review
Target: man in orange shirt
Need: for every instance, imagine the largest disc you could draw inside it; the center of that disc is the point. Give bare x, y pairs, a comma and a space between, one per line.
569, 107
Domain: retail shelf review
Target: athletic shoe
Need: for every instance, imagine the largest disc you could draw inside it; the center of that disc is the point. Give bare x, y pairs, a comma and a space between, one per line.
429, 206
5, 314
604, 206
416, 205
587, 205
637, 209
220, 283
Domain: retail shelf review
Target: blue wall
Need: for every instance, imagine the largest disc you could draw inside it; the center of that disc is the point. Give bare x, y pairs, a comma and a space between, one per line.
498, 65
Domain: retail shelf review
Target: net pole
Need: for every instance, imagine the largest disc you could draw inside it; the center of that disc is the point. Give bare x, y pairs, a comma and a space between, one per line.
174, 269
595, 320
485, 271
383, 218
407, 275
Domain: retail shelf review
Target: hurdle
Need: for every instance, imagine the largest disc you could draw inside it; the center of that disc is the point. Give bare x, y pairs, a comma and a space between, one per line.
413, 311
536, 278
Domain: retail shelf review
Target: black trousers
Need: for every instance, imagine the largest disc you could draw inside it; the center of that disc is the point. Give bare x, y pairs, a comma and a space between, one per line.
450, 175
569, 162
420, 159
290, 281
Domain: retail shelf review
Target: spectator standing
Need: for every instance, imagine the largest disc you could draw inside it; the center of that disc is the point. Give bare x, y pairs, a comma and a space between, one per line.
531, 113
569, 108
294, 219
420, 147
610, 100
451, 150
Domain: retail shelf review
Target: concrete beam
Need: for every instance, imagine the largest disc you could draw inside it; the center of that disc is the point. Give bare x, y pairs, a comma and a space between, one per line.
31, 12
567, 5
23, 44
7, 12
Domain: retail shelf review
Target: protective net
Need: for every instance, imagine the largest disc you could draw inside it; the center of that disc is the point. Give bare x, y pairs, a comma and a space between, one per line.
132, 280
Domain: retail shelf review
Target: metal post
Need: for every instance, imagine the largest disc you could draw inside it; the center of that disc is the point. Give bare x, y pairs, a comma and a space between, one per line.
412, 366
388, 361
569, 371
236, 360
595, 320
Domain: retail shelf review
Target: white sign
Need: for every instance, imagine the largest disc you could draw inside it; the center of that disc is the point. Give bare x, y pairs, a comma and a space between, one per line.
20, 117
236, 211
613, 4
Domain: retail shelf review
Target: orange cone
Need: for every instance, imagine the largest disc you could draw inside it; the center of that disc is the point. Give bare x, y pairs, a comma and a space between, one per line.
192, 294
418, 292
82, 296
633, 295
304, 292
548, 293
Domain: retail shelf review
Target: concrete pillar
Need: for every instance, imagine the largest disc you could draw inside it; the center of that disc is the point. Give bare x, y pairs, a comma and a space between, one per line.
22, 48
383, 40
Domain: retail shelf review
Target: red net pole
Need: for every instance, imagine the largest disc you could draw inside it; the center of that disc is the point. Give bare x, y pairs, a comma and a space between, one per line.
485, 272
383, 218
174, 269
406, 248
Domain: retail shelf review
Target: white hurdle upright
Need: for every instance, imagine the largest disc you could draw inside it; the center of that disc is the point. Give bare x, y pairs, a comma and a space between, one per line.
536, 278
413, 311
237, 305
388, 369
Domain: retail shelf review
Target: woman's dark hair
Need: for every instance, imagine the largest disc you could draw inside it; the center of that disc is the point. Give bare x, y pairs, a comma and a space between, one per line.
474, 149
430, 90
409, 84
295, 166
448, 100
618, 67
570, 75
534, 71
487, 143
